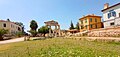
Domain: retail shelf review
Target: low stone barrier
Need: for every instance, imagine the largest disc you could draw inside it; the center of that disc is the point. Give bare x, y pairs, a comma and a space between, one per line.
97, 39
109, 32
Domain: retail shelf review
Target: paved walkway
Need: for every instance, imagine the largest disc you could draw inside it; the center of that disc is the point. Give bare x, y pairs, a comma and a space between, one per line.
12, 40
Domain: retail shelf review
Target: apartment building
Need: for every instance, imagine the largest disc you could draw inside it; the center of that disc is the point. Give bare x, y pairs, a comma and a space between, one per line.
90, 22
10, 26
111, 15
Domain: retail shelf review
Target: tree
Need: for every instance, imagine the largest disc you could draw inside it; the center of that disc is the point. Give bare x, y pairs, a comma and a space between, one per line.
71, 26
2, 32
20, 24
43, 30
19, 34
33, 32
77, 26
33, 25
8, 19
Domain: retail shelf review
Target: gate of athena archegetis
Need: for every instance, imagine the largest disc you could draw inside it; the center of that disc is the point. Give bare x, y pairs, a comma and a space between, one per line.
55, 32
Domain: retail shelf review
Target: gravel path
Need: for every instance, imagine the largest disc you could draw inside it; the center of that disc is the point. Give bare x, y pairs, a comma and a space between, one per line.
92, 38
12, 40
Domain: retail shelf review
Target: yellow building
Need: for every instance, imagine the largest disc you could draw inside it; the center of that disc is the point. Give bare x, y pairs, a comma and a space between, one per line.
90, 22
10, 26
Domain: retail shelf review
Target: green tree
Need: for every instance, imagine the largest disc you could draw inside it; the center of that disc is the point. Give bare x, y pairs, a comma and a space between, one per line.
2, 32
8, 19
33, 32
71, 26
19, 34
43, 30
22, 25
77, 26
33, 25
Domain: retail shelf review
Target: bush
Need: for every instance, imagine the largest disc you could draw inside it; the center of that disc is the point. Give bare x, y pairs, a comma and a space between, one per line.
2, 32
33, 32
19, 34
43, 30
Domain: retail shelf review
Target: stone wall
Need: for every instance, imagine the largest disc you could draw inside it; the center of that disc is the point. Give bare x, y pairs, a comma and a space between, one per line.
105, 32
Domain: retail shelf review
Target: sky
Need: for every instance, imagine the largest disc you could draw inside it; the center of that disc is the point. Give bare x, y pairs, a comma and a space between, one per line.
63, 11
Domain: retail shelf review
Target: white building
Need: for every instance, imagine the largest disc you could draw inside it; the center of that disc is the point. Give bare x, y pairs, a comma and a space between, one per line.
111, 15
10, 26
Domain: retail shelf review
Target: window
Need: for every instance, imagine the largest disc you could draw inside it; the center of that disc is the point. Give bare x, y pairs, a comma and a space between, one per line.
82, 27
95, 20
119, 14
96, 25
85, 20
19, 29
90, 26
4, 25
11, 26
111, 13
90, 19
81, 22
112, 24
86, 26
114, 13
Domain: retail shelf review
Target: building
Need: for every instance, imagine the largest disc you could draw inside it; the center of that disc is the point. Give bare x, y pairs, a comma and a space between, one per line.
111, 15
90, 22
10, 26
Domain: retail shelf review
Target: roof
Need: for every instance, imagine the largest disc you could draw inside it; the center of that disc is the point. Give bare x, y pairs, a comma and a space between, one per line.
7, 21
111, 6
3, 21
52, 22
90, 16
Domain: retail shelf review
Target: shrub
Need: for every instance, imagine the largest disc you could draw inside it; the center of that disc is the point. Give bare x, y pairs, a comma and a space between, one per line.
33, 32
2, 32
19, 34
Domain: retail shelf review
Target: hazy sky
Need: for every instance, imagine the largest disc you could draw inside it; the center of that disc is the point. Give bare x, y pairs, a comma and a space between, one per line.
62, 11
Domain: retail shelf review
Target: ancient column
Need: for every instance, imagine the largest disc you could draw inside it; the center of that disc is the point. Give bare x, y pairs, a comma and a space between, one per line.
50, 31
55, 31
59, 30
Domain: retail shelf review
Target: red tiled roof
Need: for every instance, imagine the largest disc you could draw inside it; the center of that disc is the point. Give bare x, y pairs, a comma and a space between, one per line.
6, 21
90, 16
111, 7
3, 21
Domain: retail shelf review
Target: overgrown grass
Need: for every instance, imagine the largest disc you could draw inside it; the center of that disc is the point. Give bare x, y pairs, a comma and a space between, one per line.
58, 47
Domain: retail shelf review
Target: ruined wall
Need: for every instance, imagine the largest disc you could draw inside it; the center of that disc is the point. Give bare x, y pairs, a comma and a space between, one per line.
108, 32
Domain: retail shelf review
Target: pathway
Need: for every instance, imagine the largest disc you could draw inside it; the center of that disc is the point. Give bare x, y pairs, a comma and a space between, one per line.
12, 40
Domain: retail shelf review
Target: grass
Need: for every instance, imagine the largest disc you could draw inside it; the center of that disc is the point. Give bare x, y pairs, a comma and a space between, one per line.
59, 47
